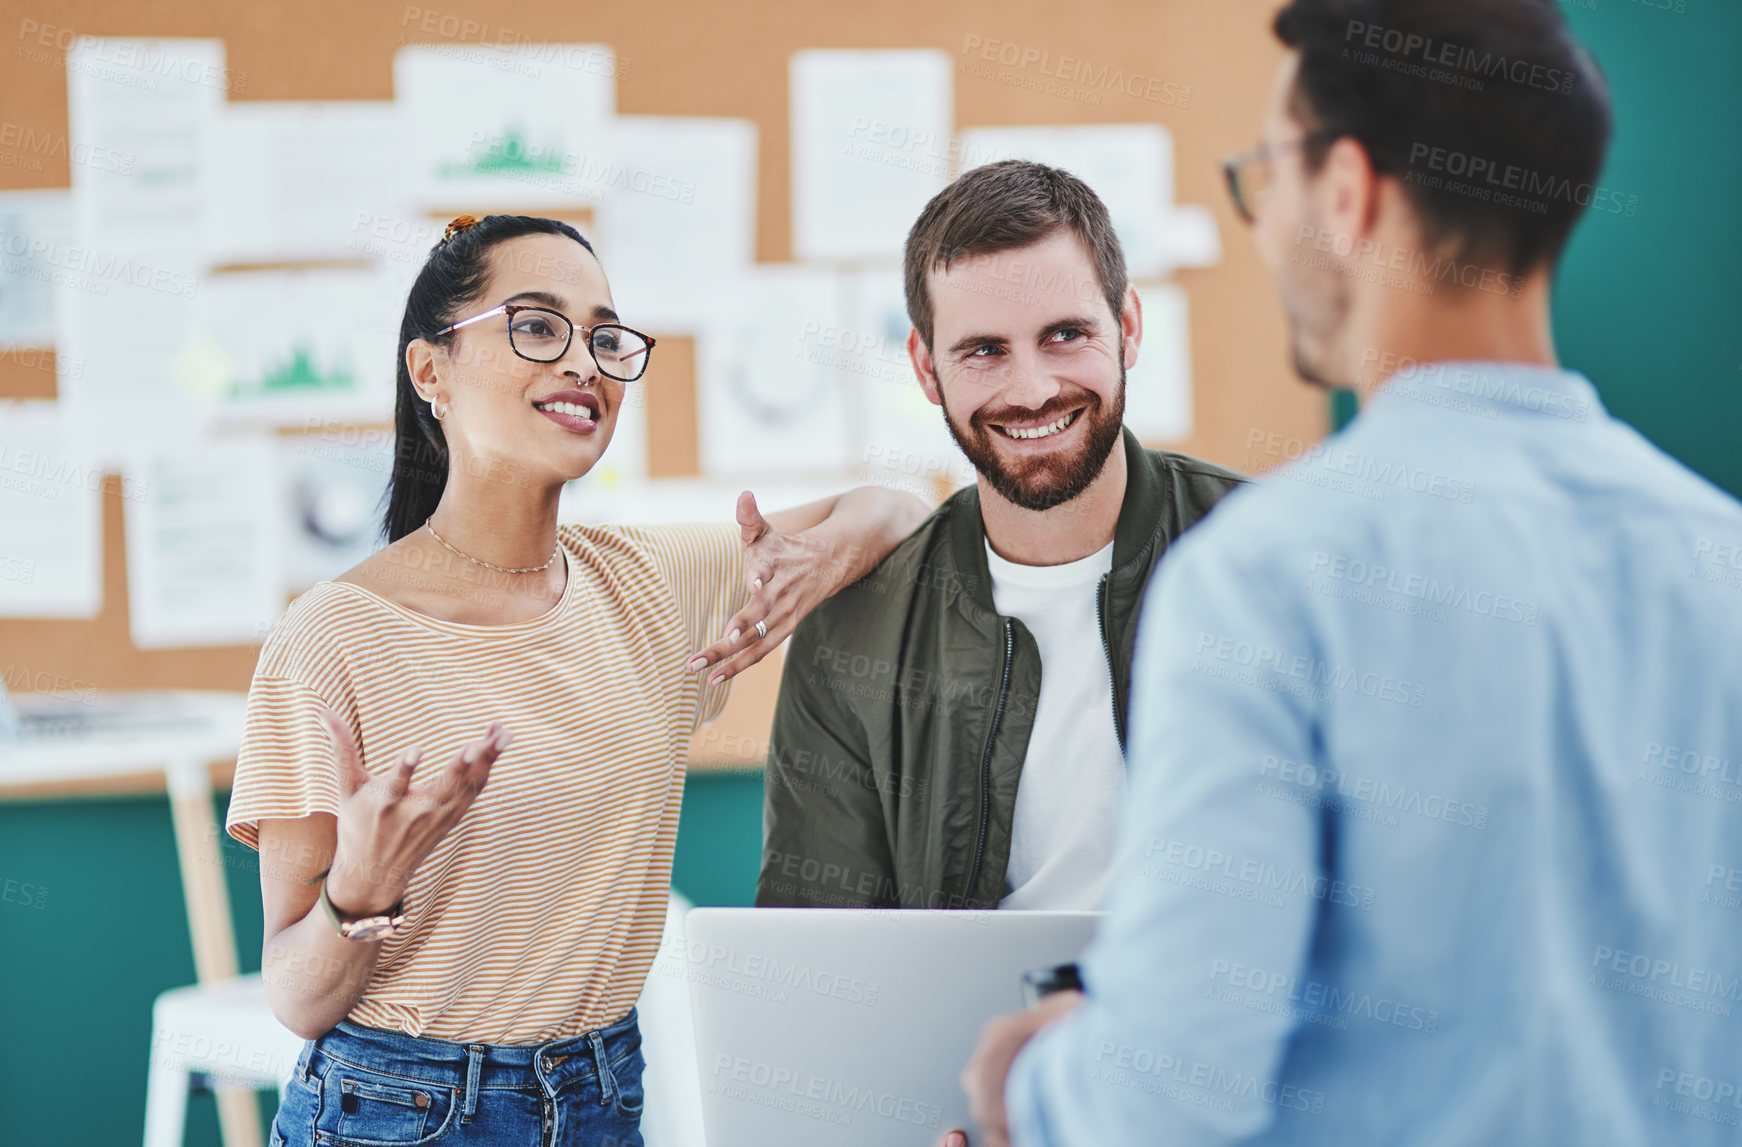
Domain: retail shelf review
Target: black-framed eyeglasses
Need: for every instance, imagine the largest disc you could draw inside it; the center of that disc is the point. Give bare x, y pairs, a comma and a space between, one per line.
1248, 173
539, 334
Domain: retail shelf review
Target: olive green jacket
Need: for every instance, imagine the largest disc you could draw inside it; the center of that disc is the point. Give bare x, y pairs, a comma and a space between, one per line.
907, 702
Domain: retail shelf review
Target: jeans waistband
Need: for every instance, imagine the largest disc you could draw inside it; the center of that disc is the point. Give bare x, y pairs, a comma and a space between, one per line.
549, 1066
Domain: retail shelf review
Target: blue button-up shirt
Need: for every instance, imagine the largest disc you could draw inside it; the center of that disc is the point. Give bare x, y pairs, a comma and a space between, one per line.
1435, 824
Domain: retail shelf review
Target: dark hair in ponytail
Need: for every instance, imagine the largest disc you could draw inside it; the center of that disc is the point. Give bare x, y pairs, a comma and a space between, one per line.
454, 275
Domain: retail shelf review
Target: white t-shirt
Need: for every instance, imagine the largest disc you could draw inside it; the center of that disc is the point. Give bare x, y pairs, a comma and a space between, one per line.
1073, 777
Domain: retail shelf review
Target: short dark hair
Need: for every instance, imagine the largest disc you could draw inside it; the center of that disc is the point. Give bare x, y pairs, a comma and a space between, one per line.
1000, 207
1494, 119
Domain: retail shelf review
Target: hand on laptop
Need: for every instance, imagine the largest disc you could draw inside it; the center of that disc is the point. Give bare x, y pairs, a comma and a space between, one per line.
983, 1079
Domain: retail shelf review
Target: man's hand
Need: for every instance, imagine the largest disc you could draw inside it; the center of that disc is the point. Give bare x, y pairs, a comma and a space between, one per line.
989, 1067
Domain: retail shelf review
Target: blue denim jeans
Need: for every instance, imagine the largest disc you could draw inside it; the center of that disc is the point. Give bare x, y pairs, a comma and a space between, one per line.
360, 1086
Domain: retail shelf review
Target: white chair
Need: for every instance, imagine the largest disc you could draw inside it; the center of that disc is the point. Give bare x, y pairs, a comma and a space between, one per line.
672, 1083
224, 1030
227, 1031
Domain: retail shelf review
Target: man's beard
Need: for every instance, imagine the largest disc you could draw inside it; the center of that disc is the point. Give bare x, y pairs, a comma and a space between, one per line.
1317, 301
1045, 482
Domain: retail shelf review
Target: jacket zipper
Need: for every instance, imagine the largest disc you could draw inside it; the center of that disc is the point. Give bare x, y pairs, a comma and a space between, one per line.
1107, 648
986, 761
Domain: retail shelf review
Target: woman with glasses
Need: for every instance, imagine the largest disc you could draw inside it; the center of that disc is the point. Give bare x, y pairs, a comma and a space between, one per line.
464, 758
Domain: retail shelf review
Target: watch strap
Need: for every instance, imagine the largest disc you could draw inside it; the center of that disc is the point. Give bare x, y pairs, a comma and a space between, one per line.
392, 918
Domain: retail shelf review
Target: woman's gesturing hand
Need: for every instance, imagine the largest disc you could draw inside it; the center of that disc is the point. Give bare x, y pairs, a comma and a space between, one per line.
387, 825
787, 575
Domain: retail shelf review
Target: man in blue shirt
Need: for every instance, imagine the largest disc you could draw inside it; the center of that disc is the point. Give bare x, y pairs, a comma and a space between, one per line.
1435, 826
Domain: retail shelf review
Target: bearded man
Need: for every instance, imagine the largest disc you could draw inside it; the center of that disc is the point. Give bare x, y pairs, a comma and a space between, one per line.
950, 731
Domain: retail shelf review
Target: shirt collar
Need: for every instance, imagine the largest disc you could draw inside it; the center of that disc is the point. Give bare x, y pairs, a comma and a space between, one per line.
1488, 389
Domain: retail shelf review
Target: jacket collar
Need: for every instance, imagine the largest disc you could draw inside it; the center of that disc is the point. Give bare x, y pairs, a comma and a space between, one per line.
1133, 535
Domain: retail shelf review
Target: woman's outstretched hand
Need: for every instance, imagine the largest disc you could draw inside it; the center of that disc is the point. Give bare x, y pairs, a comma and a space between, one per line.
787, 576
388, 825
799, 557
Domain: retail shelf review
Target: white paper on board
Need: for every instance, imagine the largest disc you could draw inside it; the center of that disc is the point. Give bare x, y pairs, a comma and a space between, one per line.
401, 238
1158, 390
334, 484
871, 143
769, 386
35, 241
301, 180
1130, 166
678, 223
902, 441
140, 112
51, 550
205, 545
1191, 237
123, 320
296, 347
521, 126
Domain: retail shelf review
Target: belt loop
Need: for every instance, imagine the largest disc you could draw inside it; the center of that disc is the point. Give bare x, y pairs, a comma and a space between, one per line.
308, 1049
607, 1082
474, 1060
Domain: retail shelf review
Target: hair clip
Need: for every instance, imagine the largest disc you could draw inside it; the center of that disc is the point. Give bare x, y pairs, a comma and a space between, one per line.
460, 223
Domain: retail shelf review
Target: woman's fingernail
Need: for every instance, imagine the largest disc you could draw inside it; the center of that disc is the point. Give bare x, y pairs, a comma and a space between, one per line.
507, 739
716, 679
757, 584
732, 637
697, 664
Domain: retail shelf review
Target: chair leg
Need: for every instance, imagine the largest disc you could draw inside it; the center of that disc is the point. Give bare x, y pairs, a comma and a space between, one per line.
239, 1117
166, 1105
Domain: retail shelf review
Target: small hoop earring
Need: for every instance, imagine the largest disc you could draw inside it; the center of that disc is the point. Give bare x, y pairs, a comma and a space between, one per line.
435, 410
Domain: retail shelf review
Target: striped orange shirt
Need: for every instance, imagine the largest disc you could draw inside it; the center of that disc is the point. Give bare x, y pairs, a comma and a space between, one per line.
538, 915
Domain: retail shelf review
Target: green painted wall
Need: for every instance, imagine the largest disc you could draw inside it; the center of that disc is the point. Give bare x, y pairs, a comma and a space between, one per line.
80, 966
1650, 307
719, 838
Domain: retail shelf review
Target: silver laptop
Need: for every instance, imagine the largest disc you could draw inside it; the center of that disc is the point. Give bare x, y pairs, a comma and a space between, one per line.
849, 1027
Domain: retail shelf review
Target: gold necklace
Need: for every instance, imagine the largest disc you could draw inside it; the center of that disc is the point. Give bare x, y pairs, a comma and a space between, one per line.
499, 569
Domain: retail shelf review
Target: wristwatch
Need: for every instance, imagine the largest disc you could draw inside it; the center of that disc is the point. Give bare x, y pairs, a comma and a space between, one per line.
368, 927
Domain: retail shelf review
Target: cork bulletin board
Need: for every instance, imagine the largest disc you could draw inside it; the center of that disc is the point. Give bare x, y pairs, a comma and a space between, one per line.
1201, 68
